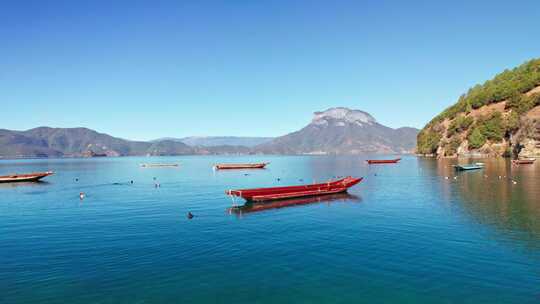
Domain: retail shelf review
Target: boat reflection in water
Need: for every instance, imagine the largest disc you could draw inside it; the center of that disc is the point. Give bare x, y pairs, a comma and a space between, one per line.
250, 207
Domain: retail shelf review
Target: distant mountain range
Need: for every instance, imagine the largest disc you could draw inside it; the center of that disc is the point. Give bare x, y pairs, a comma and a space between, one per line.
213, 141
343, 131
77, 142
334, 131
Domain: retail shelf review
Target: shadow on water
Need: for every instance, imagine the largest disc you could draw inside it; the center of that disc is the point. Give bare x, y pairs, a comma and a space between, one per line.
251, 207
24, 184
504, 195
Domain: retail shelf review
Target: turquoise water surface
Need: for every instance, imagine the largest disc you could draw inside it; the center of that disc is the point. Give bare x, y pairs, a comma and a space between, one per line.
415, 232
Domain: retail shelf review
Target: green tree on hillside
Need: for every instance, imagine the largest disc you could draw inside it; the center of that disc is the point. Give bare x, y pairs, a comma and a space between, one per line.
476, 139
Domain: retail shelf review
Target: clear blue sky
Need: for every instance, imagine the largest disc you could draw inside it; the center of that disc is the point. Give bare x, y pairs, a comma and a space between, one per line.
149, 69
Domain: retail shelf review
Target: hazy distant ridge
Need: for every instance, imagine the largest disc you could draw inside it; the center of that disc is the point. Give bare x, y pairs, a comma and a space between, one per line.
334, 131
213, 141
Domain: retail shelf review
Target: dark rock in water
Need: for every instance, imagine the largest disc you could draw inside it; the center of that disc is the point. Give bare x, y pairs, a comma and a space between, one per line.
190, 215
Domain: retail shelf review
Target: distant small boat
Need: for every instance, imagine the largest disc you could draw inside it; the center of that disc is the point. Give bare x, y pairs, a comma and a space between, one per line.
278, 193
28, 177
468, 167
240, 166
383, 161
524, 161
158, 165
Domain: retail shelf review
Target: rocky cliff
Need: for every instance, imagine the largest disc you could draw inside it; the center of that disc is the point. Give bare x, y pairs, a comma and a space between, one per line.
498, 118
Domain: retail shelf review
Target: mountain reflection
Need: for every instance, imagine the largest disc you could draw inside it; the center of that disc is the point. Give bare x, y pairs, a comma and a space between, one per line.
250, 207
502, 194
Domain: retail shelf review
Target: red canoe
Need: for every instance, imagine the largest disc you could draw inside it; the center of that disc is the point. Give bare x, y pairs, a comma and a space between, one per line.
523, 161
29, 177
240, 166
275, 193
262, 206
383, 161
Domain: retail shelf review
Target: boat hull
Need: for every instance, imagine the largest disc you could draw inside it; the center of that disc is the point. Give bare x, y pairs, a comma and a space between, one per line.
240, 166
262, 206
158, 165
523, 161
383, 161
468, 168
30, 177
278, 193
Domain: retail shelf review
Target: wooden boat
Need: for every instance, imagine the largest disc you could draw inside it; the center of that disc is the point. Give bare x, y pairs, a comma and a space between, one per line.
523, 161
468, 167
277, 193
382, 161
29, 177
240, 166
158, 165
262, 206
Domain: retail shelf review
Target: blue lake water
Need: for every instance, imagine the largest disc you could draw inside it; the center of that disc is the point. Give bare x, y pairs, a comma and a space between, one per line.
406, 234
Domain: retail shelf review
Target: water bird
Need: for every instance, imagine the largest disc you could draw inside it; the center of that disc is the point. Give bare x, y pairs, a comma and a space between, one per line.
190, 215
132, 182
81, 196
76, 179
278, 179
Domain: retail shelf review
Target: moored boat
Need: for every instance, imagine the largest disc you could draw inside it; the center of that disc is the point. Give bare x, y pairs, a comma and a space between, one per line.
28, 177
158, 165
240, 166
383, 161
250, 207
277, 193
523, 161
468, 167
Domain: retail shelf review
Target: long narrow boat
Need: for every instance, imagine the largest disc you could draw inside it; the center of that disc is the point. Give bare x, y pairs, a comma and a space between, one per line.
240, 166
277, 193
524, 161
28, 177
262, 206
158, 165
468, 167
383, 161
